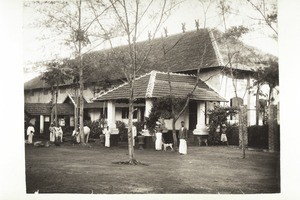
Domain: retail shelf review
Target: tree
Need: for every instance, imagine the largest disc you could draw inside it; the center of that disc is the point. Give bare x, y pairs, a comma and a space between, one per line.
178, 106
131, 17
271, 77
57, 73
71, 24
268, 13
230, 36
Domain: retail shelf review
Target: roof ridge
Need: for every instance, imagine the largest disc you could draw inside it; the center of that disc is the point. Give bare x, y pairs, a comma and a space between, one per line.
151, 84
178, 74
216, 48
122, 85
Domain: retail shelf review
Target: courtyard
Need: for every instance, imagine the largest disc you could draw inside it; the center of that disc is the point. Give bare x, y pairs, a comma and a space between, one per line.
204, 170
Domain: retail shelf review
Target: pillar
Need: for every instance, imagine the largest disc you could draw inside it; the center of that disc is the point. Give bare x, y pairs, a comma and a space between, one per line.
41, 124
200, 127
273, 140
148, 107
111, 117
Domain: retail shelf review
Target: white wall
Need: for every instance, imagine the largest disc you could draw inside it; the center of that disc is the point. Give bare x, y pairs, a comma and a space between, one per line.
40, 97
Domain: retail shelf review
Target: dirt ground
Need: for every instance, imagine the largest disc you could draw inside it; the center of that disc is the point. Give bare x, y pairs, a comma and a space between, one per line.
204, 170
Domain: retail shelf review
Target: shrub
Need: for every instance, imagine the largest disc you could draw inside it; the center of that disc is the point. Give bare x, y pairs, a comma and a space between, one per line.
258, 136
123, 132
217, 117
139, 126
95, 127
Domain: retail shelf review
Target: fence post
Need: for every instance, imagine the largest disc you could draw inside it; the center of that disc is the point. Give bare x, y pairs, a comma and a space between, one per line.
273, 139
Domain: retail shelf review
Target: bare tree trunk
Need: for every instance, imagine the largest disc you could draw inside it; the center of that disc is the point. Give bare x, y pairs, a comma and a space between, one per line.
130, 136
52, 104
257, 104
80, 35
174, 135
56, 96
76, 110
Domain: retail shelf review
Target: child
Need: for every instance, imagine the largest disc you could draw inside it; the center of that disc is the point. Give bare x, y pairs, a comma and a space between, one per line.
223, 134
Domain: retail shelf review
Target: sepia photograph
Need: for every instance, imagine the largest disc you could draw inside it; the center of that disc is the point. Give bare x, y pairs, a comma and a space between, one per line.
150, 97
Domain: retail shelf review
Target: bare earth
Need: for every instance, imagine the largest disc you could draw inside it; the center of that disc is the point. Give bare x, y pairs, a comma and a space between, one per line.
213, 170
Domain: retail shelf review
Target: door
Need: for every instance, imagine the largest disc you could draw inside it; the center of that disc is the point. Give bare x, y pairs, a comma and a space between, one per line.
192, 115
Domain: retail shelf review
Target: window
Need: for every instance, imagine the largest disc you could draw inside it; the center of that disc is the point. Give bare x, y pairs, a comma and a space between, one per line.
125, 112
45, 92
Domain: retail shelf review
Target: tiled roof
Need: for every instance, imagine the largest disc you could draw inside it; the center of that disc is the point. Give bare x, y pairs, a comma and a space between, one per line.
184, 53
182, 85
44, 109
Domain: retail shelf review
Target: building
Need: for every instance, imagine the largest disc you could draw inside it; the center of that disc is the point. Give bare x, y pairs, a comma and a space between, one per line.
225, 63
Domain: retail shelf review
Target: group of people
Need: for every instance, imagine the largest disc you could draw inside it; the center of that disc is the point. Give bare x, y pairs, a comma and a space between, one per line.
56, 133
183, 135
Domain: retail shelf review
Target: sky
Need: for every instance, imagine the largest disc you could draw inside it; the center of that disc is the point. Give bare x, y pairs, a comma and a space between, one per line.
36, 50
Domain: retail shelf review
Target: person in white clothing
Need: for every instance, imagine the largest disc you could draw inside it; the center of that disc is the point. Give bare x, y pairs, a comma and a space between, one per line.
182, 139
52, 132
30, 133
133, 134
223, 134
158, 134
107, 132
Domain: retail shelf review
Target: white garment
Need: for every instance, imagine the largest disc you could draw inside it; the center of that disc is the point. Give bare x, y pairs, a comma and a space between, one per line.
182, 146
133, 135
158, 141
52, 133
107, 137
77, 137
30, 133
223, 137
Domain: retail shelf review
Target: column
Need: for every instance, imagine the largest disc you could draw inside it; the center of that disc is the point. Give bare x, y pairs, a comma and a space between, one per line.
251, 105
186, 118
111, 117
148, 107
200, 127
41, 124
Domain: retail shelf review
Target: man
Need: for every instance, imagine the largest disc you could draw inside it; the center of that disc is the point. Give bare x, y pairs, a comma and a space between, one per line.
182, 139
52, 132
134, 134
30, 133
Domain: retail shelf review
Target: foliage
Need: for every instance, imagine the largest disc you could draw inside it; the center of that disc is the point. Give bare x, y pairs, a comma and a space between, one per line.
162, 109
236, 32
272, 73
217, 117
57, 73
123, 131
95, 127
258, 136
139, 126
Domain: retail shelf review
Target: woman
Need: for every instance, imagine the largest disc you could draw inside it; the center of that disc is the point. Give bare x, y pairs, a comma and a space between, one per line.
182, 139
107, 133
158, 134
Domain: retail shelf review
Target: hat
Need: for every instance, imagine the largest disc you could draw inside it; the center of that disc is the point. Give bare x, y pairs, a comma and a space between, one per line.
223, 125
